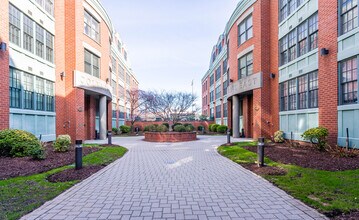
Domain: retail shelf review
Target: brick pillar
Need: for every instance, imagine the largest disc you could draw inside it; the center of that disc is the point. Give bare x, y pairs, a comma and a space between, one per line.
328, 67
4, 66
91, 118
109, 115
229, 118
257, 113
80, 115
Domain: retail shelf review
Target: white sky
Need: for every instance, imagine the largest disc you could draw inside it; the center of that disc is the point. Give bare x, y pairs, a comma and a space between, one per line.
170, 41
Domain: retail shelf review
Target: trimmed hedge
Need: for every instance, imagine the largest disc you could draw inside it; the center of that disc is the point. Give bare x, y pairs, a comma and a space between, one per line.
180, 128
125, 128
214, 127
62, 143
222, 129
19, 143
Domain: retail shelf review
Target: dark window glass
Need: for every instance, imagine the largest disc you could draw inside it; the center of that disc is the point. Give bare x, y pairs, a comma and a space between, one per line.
14, 25
245, 30
349, 81
15, 88
50, 96
283, 50
28, 34
92, 27
349, 15
40, 41
284, 96
292, 52
302, 38
313, 90
218, 111
28, 91
218, 73
292, 94
245, 65
302, 92
40, 94
92, 64
313, 32
49, 47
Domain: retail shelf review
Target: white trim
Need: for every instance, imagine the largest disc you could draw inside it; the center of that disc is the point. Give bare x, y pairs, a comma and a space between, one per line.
91, 49
245, 51
245, 15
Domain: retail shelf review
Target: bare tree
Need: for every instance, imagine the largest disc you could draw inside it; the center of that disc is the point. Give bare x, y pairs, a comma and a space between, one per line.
137, 100
170, 106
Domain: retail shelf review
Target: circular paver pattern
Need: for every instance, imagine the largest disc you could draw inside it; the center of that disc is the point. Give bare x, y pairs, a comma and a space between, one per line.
187, 180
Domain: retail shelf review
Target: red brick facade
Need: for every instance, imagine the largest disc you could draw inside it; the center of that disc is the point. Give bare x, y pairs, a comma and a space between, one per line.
170, 136
4, 66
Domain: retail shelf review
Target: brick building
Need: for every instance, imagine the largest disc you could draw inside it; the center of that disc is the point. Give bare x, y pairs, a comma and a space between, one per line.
292, 65
61, 71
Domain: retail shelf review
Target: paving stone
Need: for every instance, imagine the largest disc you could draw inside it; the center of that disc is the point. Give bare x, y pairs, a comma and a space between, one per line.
174, 181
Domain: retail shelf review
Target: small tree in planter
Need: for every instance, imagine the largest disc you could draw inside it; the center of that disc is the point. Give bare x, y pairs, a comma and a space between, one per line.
317, 136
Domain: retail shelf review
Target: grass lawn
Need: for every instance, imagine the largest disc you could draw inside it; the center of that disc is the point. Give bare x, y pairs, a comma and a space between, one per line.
327, 191
21, 195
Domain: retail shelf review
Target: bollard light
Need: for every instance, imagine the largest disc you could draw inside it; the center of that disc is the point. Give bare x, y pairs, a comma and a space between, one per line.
260, 152
78, 154
228, 136
109, 136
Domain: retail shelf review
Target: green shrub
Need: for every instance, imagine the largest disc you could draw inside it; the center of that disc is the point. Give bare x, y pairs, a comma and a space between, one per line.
210, 127
189, 128
222, 129
214, 127
175, 124
317, 136
125, 128
17, 143
179, 128
279, 137
161, 128
166, 124
186, 124
62, 143
146, 128
115, 130
200, 128
38, 153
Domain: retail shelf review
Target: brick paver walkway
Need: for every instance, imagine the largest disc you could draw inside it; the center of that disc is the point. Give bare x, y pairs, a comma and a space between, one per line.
174, 181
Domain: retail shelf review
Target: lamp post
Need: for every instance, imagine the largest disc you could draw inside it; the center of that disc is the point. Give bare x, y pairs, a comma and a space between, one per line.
260, 152
78, 155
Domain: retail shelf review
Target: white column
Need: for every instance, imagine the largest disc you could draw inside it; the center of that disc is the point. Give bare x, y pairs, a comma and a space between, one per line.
235, 117
103, 118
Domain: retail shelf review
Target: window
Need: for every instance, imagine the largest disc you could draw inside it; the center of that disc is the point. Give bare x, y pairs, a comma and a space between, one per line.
313, 32
283, 10
121, 91
211, 96
15, 88
287, 7
283, 50
40, 94
225, 110
302, 38
28, 91
218, 92
92, 64
28, 34
92, 27
50, 96
39, 41
292, 52
307, 90
284, 96
225, 65
349, 15
128, 79
211, 79
307, 31
121, 73
292, 95
49, 6
313, 90
218, 73
113, 61
14, 25
245, 30
302, 92
349, 81
218, 111
211, 112
245, 65
225, 86
114, 110
113, 85
49, 47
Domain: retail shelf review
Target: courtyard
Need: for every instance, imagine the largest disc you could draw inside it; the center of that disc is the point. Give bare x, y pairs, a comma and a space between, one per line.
188, 180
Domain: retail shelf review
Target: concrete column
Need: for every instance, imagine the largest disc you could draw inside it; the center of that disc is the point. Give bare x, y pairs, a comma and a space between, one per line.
103, 118
235, 118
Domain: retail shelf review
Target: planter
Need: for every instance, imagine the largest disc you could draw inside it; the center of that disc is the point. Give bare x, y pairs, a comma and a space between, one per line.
170, 136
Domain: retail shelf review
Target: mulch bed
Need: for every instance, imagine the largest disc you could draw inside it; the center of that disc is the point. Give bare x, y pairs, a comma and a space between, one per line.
308, 157
14, 167
73, 174
349, 216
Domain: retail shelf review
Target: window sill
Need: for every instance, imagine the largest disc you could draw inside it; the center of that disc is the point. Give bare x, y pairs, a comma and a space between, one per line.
348, 34
348, 107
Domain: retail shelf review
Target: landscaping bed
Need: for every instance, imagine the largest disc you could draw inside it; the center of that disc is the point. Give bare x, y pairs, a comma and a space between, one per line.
21, 195
308, 157
331, 187
23, 166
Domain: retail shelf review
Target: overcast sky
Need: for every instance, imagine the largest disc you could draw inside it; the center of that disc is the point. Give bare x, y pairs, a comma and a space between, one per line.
170, 41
